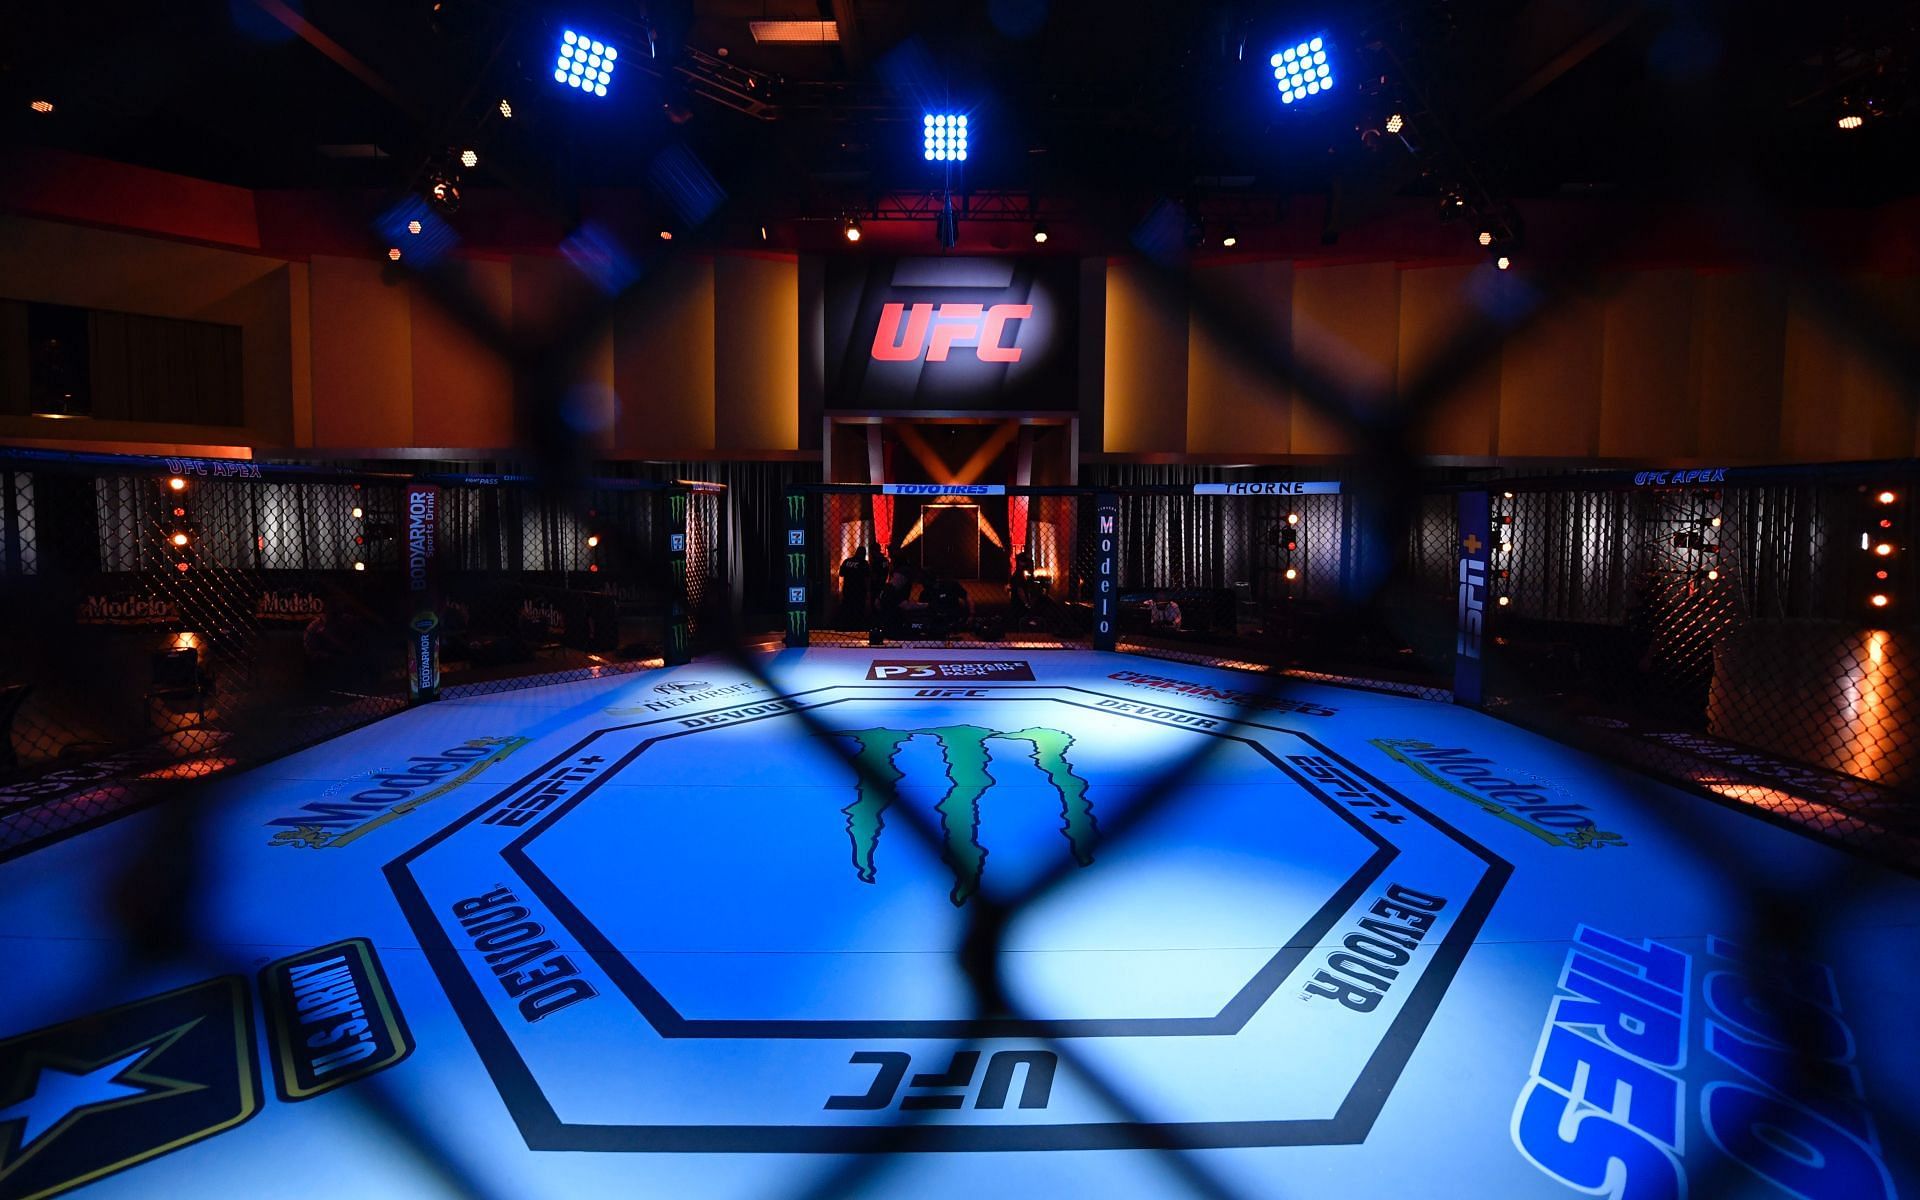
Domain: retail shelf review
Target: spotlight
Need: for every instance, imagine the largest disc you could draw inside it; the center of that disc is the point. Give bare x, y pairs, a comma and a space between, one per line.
177, 484
1505, 600
179, 539
1503, 262
1883, 549
1486, 237
1879, 600
1293, 518
357, 514
1040, 232
1886, 497
1302, 70
413, 227
1715, 522
506, 109
1712, 575
593, 540
393, 253
1396, 123
852, 229
469, 159
1292, 574
359, 566
1230, 238
584, 64
41, 106
1851, 121
666, 235
763, 233
943, 137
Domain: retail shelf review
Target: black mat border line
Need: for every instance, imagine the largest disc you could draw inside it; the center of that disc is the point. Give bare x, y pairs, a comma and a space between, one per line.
669, 1023
542, 1129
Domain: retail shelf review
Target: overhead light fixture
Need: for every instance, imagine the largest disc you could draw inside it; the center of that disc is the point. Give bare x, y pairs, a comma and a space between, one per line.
413, 226
1301, 71
794, 32
763, 233
469, 159
41, 106
1040, 232
1503, 262
1486, 237
585, 64
1851, 121
943, 137
506, 109
1230, 238
393, 253
1886, 497
1879, 600
1396, 123
666, 235
852, 229
177, 484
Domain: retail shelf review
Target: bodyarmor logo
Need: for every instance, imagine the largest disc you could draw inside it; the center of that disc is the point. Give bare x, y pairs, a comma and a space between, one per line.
963, 748
966, 324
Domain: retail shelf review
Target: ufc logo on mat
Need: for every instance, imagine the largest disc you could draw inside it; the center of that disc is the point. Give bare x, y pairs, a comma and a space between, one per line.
965, 324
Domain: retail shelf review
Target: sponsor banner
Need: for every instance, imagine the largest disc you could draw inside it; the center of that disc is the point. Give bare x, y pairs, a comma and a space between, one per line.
969, 334
678, 694
109, 1090
131, 608
1106, 593
1688, 478
1201, 691
331, 1018
289, 604
943, 489
1266, 489
334, 821
1534, 805
422, 549
918, 671
1471, 617
1658, 1069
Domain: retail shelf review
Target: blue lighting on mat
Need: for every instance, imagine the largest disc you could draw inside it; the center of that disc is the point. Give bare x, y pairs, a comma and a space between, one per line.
584, 63
1301, 71
943, 137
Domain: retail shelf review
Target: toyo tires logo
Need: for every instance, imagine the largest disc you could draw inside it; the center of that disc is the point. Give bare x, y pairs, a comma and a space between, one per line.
963, 750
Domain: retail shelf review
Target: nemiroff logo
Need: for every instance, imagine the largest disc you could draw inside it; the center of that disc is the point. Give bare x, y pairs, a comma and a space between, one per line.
126, 610
1528, 804
915, 670
330, 823
1200, 691
968, 324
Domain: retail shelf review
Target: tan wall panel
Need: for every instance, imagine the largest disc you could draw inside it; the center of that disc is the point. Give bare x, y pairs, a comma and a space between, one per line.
1345, 327
663, 361
756, 353
362, 354
1550, 383
549, 296
1436, 303
1233, 406
300, 352
1646, 408
1737, 365
1146, 362
462, 382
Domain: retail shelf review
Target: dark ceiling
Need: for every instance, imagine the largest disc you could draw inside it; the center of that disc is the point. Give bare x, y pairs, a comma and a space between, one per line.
1072, 102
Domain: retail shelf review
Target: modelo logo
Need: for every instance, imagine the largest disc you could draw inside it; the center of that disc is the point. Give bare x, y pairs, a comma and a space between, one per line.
126, 610
933, 329
289, 606
1473, 597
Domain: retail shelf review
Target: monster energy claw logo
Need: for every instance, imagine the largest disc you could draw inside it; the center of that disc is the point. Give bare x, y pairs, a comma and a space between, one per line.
963, 749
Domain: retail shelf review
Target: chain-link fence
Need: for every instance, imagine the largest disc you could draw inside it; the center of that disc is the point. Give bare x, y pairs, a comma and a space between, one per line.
165, 620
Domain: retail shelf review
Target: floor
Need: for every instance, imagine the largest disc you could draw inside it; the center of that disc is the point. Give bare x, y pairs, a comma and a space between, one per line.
651, 936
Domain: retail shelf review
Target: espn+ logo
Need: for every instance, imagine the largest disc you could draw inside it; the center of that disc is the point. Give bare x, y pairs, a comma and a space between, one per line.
932, 330
1607, 1109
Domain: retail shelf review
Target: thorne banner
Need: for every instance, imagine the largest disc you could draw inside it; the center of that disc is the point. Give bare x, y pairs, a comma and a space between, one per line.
950, 334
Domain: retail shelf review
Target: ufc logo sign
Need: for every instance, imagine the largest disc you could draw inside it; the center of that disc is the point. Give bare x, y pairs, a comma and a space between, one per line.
966, 324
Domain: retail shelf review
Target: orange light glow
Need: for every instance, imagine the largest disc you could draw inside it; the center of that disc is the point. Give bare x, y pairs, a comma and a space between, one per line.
1883, 549
1886, 497
594, 540
179, 539
1879, 600
177, 484
1292, 574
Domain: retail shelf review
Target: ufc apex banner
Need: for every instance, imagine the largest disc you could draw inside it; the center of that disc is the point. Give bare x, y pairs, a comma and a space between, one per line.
987, 334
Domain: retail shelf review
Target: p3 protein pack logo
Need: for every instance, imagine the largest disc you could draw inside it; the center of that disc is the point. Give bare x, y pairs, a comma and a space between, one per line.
1619, 1103
916, 671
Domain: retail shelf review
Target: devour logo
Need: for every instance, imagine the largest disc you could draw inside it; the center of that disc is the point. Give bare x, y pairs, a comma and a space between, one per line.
963, 749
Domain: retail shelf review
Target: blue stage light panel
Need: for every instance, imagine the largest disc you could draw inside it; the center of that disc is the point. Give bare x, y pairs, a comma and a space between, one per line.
1302, 71
584, 63
943, 137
